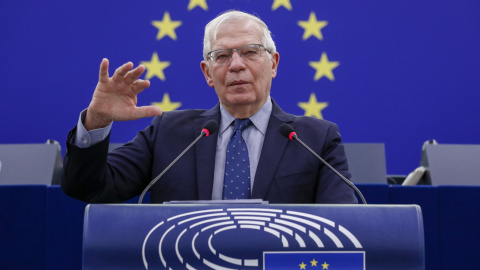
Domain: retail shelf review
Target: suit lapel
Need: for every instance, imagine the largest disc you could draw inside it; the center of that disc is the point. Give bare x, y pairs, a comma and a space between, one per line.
205, 154
273, 147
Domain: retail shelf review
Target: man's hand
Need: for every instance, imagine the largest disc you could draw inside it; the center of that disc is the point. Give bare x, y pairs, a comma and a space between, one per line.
115, 98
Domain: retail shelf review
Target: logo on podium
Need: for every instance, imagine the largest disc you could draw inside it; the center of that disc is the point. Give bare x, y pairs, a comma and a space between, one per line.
251, 238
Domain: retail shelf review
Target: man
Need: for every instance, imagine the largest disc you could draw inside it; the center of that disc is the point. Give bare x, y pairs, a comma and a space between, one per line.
240, 61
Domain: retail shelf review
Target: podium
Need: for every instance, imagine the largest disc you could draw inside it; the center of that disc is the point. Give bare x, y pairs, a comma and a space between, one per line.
253, 236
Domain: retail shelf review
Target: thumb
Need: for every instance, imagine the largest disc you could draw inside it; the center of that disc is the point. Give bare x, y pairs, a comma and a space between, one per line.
147, 111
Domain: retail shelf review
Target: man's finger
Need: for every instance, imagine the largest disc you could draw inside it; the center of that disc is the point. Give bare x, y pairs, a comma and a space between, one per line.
103, 74
120, 73
134, 74
140, 85
147, 111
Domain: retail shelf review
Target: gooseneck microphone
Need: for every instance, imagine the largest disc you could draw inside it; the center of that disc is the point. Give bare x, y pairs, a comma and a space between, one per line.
287, 131
209, 128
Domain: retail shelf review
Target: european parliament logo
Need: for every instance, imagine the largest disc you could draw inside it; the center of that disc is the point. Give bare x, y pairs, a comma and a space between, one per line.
251, 238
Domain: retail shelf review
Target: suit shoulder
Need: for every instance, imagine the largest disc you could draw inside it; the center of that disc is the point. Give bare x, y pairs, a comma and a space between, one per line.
300, 121
179, 116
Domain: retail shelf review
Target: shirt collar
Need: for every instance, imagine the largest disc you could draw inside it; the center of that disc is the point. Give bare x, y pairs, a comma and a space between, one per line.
259, 119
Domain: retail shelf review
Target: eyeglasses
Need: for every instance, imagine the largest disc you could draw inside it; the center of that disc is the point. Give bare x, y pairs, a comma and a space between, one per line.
248, 52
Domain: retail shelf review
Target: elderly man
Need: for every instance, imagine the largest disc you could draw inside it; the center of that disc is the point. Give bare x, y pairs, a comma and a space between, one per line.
240, 61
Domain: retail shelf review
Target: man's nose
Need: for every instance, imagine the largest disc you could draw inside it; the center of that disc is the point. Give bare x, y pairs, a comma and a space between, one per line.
237, 61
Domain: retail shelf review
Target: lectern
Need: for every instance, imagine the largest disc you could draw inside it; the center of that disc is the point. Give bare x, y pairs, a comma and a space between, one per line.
253, 236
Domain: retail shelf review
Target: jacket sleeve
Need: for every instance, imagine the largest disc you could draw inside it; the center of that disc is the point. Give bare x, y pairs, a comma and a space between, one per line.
331, 188
93, 175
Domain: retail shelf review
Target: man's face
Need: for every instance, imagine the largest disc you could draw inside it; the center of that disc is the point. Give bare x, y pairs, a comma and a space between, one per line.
241, 85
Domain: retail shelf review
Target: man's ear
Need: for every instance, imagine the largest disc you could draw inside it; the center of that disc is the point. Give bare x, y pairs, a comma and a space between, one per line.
206, 73
275, 60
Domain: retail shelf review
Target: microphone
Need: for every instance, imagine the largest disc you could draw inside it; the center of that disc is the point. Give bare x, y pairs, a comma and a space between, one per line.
209, 128
287, 131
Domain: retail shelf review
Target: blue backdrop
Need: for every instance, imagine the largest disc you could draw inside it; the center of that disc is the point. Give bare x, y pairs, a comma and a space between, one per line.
395, 72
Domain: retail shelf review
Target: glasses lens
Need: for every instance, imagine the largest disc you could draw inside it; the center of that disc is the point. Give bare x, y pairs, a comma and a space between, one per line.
251, 52
221, 56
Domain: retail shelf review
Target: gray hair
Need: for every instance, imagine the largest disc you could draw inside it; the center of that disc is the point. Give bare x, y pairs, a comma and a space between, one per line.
211, 30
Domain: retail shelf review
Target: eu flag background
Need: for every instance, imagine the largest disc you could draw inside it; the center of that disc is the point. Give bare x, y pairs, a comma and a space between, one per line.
394, 72
314, 260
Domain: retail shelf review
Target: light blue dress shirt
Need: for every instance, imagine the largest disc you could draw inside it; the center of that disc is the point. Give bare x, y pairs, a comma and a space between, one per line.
84, 138
253, 135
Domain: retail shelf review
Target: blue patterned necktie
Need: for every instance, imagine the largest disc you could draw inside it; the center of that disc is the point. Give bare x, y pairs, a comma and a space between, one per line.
236, 184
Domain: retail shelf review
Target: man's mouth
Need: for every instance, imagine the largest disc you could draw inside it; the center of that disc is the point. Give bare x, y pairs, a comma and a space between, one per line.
237, 82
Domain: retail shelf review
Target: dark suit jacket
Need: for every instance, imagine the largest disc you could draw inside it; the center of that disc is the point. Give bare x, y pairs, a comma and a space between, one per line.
286, 173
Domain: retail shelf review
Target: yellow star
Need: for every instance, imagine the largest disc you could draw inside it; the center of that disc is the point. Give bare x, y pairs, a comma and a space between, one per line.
313, 107
302, 266
193, 3
155, 67
314, 263
285, 3
324, 67
166, 27
325, 265
312, 27
166, 105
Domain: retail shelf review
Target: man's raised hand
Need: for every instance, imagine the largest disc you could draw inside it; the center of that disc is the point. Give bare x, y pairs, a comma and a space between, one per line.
115, 98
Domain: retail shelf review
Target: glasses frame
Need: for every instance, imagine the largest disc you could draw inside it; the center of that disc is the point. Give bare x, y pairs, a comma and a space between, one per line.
210, 54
